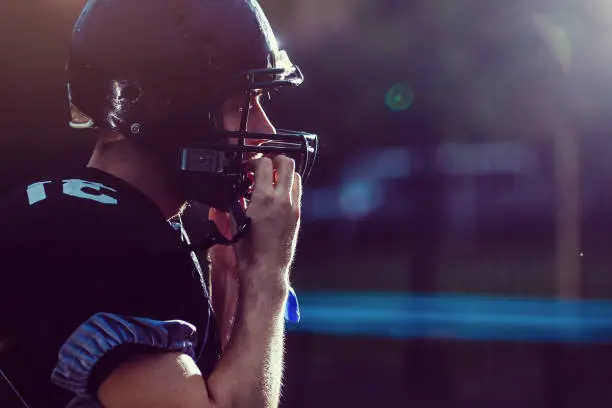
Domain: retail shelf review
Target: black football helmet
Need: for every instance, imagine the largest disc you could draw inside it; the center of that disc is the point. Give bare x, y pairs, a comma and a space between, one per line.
158, 71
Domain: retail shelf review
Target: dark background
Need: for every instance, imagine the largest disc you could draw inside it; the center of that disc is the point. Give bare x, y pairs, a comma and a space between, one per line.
488, 177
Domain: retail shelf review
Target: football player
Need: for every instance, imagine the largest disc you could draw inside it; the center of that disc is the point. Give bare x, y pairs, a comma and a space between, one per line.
103, 301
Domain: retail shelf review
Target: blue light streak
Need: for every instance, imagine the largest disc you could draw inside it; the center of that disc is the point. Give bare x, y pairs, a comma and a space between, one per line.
455, 316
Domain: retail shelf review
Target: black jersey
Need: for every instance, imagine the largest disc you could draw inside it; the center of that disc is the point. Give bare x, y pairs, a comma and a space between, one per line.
83, 244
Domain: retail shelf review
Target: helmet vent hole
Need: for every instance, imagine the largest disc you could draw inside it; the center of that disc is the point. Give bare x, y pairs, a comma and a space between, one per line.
130, 93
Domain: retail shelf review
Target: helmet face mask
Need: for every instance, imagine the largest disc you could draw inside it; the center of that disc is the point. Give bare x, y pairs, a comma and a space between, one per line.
168, 93
221, 153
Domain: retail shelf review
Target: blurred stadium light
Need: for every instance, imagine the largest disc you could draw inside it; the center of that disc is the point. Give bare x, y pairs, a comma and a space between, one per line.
400, 97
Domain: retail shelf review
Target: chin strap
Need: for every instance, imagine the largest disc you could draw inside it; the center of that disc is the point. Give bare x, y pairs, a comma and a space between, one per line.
214, 237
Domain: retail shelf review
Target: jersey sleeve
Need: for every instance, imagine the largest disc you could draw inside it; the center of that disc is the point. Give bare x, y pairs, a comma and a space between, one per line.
103, 341
83, 292
134, 307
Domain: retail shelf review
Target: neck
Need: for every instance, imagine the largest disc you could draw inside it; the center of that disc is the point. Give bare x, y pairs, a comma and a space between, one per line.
141, 170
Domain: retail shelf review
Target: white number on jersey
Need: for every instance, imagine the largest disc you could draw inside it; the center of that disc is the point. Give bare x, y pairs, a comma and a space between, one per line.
75, 188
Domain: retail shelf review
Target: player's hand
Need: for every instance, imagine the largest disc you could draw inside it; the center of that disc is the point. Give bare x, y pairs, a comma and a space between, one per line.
274, 209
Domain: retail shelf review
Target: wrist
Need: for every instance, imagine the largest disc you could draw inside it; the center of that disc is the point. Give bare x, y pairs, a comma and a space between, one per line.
258, 284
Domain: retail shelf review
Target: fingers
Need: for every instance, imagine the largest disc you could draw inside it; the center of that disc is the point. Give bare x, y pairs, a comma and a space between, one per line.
296, 193
285, 171
264, 175
274, 209
273, 174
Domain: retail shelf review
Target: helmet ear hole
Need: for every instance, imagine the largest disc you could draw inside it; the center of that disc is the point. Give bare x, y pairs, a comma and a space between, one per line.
131, 93
126, 91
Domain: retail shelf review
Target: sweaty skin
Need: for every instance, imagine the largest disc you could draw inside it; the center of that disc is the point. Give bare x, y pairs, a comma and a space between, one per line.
249, 373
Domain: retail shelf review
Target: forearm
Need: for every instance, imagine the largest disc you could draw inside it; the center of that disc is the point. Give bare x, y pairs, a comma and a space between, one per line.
224, 296
250, 371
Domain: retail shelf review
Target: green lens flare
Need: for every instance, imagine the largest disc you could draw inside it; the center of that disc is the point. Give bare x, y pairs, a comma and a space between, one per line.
400, 97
